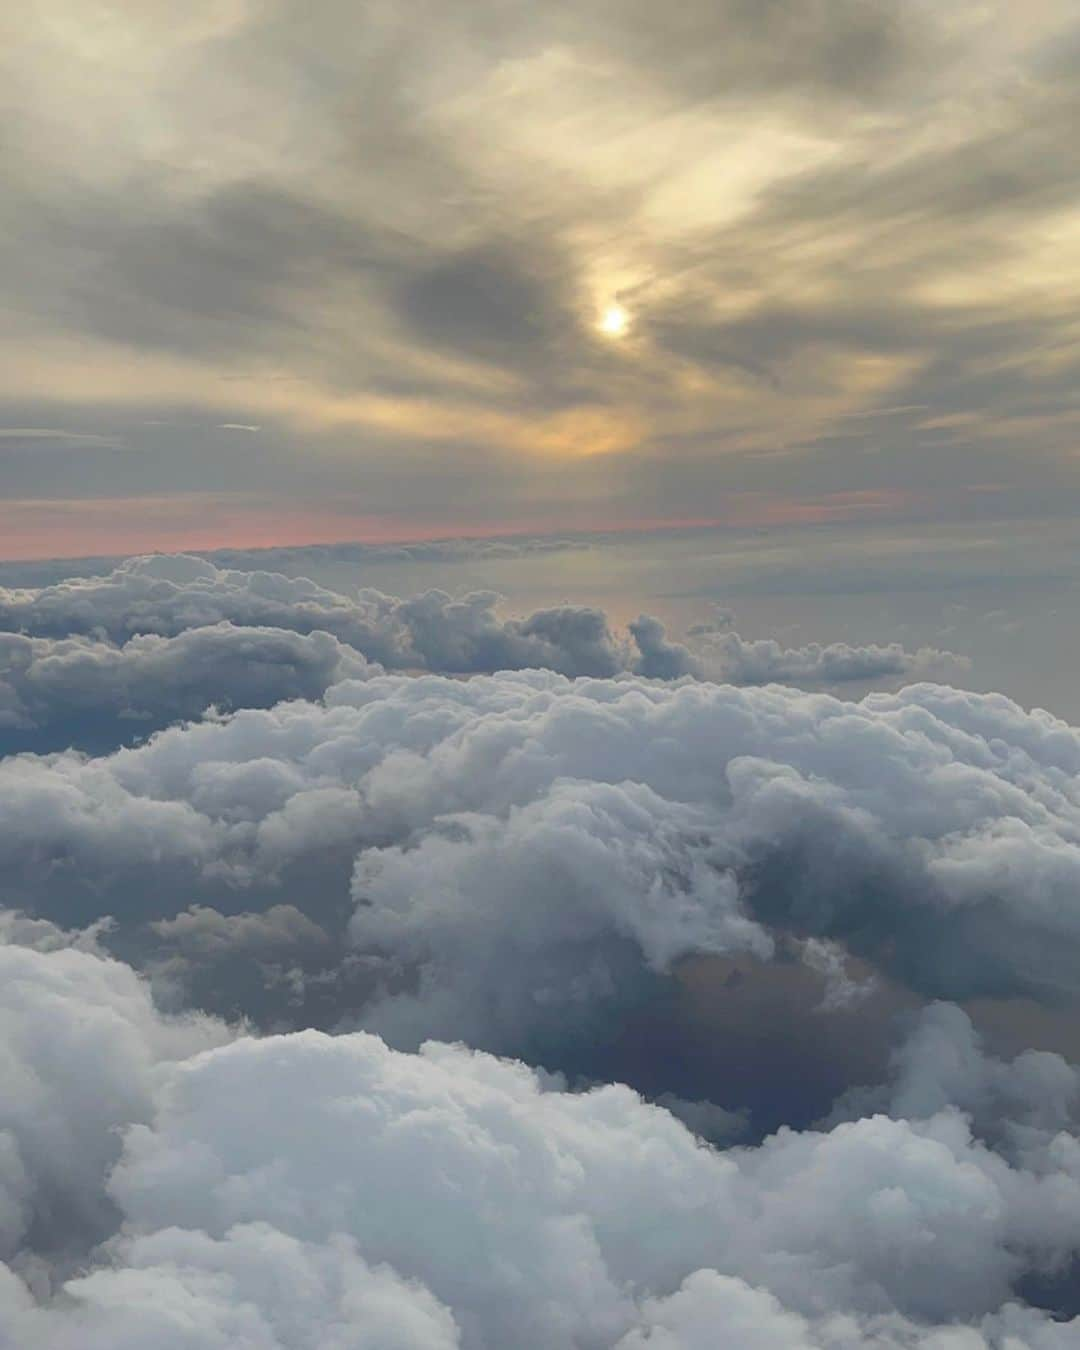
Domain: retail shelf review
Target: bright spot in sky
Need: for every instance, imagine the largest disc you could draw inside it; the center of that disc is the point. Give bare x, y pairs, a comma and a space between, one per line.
614, 321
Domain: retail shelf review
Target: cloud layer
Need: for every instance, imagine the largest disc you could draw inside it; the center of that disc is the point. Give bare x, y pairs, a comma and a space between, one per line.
779, 983
832, 314
522, 860
300, 1191
231, 645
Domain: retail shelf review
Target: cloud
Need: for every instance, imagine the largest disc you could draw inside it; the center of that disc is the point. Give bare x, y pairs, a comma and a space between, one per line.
536, 864
307, 1190
715, 1124
166, 594
491, 300
724, 655
435, 269
82, 1047
29, 574
854, 1219
731, 657
718, 897
609, 884
21, 439
659, 658
256, 1286
61, 692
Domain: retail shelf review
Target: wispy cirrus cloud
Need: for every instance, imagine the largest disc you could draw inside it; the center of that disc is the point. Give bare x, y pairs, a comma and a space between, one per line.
416, 294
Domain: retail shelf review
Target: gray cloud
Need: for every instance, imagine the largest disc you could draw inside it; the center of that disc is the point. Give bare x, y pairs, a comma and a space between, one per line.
493, 301
170, 594
432, 272
62, 692
853, 51
188, 600
730, 657
736, 660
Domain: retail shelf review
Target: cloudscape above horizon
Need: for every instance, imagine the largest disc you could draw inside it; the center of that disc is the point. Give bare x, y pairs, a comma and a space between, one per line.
539, 737
281, 273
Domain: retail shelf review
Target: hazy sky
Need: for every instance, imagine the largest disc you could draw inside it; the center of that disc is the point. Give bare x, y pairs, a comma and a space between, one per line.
281, 272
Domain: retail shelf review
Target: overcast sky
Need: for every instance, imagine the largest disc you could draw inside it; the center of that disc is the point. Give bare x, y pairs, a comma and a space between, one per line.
279, 273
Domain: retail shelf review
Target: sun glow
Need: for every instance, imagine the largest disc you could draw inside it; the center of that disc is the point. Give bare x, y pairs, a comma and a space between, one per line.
614, 322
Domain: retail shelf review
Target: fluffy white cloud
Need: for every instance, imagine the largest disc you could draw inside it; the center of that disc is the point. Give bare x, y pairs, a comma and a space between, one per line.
711, 1310
546, 847
307, 1191
81, 1049
533, 1214
573, 872
255, 1289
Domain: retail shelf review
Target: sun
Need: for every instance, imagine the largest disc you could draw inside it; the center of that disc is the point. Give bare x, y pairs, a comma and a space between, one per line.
614, 322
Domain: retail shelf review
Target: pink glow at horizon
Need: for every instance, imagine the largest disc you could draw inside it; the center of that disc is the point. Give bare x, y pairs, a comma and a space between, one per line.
39, 529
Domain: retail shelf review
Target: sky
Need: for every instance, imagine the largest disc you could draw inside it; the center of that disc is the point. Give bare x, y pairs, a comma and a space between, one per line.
280, 273
539, 740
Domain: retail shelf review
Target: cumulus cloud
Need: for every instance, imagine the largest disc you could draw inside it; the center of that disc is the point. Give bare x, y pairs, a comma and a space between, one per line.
75, 691
647, 877
725, 655
528, 862
658, 657
609, 884
255, 1287
653, 880
765, 661
1021, 1105
168, 594
81, 1049
307, 1190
